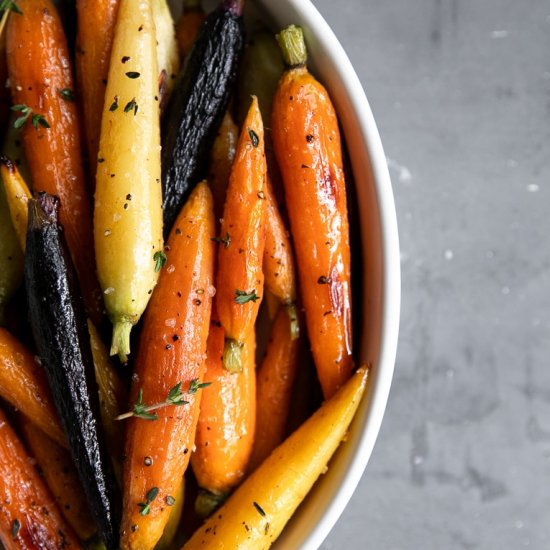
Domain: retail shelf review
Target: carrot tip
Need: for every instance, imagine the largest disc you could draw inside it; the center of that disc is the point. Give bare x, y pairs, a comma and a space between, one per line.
294, 323
207, 502
232, 355
120, 343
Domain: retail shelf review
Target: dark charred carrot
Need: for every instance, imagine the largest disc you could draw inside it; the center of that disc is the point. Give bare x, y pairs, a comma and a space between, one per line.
23, 384
225, 431
275, 379
307, 145
188, 25
240, 278
96, 25
43, 94
221, 160
171, 360
57, 468
29, 517
278, 261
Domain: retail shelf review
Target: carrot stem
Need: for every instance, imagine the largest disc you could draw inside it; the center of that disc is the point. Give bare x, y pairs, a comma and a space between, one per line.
232, 351
293, 46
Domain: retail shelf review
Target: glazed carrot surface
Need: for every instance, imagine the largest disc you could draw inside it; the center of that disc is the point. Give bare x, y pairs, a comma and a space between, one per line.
29, 516
240, 277
307, 145
226, 427
96, 24
61, 477
43, 89
172, 350
24, 385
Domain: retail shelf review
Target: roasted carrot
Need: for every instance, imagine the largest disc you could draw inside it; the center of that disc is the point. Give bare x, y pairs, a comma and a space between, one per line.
166, 542
4, 90
24, 385
11, 258
112, 397
17, 196
221, 160
240, 277
307, 145
57, 468
128, 197
169, 369
43, 94
275, 379
96, 26
29, 517
278, 262
225, 431
188, 25
254, 516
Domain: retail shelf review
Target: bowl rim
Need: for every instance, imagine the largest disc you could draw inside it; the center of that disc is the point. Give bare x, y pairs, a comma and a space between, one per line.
381, 379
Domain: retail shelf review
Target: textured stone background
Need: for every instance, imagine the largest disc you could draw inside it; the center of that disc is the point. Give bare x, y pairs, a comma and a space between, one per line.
460, 90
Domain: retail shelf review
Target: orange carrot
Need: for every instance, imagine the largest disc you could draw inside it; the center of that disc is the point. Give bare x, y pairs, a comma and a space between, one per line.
188, 25
274, 384
307, 145
43, 94
23, 384
225, 431
29, 517
96, 25
56, 466
278, 262
170, 361
221, 160
240, 278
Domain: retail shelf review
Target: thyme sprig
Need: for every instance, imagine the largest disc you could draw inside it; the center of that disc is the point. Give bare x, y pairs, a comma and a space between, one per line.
175, 397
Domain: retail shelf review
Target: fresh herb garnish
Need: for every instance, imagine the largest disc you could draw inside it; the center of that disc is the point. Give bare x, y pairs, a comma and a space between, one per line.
132, 74
26, 112
242, 297
15, 526
159, 258
114, 104
226, 241
145, 507
259, 508
175, 397
6, 5
131, 105
67, 94
253, 137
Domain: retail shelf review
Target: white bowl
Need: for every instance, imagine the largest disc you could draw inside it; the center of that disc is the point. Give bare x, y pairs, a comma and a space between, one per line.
381, 278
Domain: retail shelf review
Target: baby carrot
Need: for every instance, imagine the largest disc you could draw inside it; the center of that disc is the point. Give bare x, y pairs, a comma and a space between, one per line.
96, 25
275, 379
240, 279
56, 466
17, 195
30, 517
307, 146
221, 160
169, 370
254, 516
188, 25
43, 96
128, 197
225, 431
278, 262
24, 385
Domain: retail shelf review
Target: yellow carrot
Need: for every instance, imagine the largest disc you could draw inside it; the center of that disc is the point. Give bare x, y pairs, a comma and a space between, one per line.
128, 216
254, 516
17, 196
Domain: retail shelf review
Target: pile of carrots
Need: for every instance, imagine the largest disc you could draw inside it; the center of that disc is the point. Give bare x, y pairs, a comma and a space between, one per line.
132, 198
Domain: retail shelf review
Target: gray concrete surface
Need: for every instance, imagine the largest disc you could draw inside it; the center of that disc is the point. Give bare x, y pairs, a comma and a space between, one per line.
461, 93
